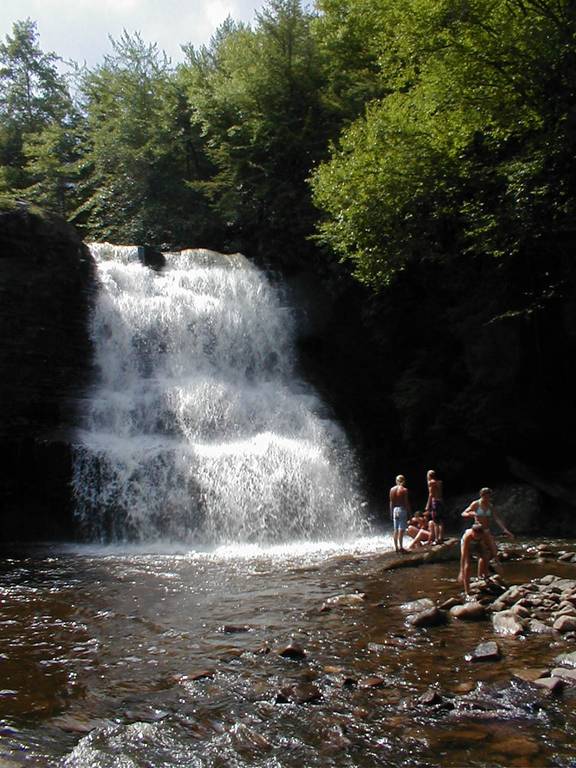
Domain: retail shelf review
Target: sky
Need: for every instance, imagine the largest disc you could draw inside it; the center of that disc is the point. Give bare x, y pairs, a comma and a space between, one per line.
79, 30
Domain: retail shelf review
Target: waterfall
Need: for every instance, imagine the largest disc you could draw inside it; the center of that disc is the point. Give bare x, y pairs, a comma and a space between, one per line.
198, 428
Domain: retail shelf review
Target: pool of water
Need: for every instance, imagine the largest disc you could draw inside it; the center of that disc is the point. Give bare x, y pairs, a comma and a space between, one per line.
125, 657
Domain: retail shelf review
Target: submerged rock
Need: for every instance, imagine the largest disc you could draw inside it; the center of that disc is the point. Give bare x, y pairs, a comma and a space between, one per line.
507, 623
432, 617
473, 611
292, 651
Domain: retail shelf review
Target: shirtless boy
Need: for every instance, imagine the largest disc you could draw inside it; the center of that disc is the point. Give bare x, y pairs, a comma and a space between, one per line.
400, 508
435, 506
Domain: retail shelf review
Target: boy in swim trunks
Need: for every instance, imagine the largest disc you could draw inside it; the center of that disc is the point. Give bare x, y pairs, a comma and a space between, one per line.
400, 508
435, 505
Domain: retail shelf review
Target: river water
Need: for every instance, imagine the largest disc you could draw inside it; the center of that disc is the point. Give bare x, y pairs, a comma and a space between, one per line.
100, 648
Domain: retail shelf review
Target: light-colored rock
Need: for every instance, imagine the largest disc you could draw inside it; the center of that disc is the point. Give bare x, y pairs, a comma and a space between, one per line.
507, 623
539, 627
473, 611
532, 674
566, 659
567, 675
346, 601
565, 624
414, 606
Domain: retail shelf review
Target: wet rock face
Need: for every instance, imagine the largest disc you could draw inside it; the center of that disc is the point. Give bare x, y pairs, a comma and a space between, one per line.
46, 286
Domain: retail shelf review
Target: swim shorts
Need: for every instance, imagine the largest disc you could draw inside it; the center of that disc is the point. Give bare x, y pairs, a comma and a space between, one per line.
400, 518
437, 510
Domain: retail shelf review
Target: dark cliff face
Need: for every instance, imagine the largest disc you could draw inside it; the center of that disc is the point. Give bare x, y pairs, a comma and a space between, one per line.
439, 373
46, 286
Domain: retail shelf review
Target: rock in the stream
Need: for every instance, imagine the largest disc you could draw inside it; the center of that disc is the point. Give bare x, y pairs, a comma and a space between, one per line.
507, 623
473, 611
292, 651
430, 698
566, 659
567, 675
530, 675
301, 693
431, 617
488, 651
565, 624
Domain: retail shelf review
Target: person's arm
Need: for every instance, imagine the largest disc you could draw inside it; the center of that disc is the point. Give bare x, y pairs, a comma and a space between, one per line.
391, 501
471, 510
503, 528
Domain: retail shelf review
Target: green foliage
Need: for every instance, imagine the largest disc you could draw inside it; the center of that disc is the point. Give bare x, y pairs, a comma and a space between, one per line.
257, 95
136, 149
459, 157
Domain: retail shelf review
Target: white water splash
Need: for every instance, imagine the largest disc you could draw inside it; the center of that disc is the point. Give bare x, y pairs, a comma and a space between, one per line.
199, 430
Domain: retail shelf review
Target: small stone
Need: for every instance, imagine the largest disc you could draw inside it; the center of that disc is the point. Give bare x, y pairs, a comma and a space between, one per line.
415, 606
520, 611
565, 624
331, 670
532, 674
566, 659
549, 579
450, 603
430, 698
473, 611
465, 687
550, 684
293, 651
301, 693
567, 675
432, 617
539, 627
567, 556
204, 674
356, 598
371, 682
507, 623
488, 651
232, 629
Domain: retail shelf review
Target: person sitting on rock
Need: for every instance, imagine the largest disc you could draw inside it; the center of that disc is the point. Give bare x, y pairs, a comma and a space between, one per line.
474, 542
419, 530
483, 512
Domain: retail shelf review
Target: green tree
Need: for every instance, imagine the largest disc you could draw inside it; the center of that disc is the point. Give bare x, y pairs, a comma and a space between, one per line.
33, 97
138, 156
473, 151
257, 95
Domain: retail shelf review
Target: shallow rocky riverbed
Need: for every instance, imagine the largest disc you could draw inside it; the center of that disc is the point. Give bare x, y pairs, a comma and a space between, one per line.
343, 656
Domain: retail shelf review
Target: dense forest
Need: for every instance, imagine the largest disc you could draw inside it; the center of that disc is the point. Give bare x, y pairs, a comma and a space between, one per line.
419, 156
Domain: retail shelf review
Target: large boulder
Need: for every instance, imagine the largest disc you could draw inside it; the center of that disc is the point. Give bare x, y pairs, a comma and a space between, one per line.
46, 286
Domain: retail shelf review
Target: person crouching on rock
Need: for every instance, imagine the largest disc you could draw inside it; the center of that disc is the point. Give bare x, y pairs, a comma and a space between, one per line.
419, 530
483, 512
473, 543
399, 510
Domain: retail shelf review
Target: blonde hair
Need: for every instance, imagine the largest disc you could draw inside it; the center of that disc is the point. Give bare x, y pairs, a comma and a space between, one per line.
400, 480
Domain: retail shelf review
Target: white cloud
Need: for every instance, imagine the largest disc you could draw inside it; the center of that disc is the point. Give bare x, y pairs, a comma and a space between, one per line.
79, 29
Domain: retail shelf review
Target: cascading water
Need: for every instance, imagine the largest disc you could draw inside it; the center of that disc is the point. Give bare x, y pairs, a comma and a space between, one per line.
198, 429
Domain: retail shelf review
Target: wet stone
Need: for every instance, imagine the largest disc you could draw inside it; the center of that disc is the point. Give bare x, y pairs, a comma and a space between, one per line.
203, 674
450, 603
507, 623
415, 606
530, 675
565, 624
567, 556
430, 698
567, 675
488, 651
537, 627
566, 659
301, 693
473, 611
233, 629
373, 681
345, 601
550, 684
292, 651
432, 617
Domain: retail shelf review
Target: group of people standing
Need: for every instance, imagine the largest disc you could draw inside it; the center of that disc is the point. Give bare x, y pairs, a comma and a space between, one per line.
428, 528
401, 508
